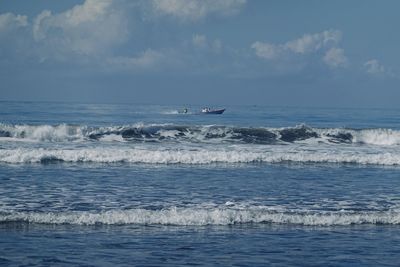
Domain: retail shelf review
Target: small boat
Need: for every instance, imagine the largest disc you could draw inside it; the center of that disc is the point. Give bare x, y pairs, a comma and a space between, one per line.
212, 111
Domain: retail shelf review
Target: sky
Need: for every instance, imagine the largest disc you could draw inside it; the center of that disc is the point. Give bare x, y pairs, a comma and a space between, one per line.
210, 52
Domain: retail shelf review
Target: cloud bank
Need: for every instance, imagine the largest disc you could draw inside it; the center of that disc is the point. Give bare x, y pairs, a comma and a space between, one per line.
325, 42
10, 22
88, 29
113, 35
192, 10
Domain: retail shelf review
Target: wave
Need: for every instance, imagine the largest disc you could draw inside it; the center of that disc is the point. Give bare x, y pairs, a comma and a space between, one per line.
58, 133
197, 156
170, 112
203, 216
200, 134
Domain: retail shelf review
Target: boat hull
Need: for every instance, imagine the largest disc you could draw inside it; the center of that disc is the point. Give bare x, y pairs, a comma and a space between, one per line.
216, 111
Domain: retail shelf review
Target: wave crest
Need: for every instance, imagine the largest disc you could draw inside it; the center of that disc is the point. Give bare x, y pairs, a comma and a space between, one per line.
196, 134
191, 156
195, 216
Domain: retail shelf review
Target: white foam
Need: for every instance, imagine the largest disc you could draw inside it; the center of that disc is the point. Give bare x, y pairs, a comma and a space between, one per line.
201, 216
112, 138
62, 132
204, 155
384, 137
168, 133
170, 112
15, 139
378, 137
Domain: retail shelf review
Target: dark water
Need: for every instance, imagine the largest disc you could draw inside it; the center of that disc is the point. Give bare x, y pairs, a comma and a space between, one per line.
101, 185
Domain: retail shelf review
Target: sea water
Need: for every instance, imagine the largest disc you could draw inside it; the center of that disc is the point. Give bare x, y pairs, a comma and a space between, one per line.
144, 185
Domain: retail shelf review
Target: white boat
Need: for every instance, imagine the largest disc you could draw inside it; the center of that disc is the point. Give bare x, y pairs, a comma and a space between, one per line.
212, 111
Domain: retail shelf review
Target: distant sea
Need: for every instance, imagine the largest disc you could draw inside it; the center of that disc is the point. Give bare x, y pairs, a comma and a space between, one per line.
145, 185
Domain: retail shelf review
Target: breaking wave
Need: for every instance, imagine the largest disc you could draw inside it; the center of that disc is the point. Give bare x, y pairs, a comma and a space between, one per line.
196, 156
202, 216
200, 134
198, 144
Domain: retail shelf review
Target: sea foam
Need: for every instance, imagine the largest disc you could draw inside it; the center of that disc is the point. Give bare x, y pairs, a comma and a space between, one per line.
197, 156
199, 133
198, 216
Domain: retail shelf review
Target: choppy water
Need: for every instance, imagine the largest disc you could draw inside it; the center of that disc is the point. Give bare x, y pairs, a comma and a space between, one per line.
146, 185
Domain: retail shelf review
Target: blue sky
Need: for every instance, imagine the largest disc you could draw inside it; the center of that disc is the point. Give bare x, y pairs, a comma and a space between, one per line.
211, 52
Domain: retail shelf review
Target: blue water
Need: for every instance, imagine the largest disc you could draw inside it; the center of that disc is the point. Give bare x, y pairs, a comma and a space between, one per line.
101, 185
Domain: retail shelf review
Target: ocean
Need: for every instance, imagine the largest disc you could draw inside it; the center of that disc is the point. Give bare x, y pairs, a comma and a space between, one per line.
145, 185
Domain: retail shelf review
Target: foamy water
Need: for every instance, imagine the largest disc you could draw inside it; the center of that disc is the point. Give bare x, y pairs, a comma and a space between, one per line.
199, 156
272, 185
199, 133
199, 144
190, 216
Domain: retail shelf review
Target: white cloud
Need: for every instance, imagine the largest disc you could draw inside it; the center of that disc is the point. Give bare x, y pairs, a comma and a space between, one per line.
39, 33
313, 42
195, 10
10, 22
309, 44
99, 30
87, 29
89, 11
266, 50
14, 38
335, 57
97, 33
374, 67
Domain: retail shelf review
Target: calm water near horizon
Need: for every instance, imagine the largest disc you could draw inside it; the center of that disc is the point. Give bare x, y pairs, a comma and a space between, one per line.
144, 185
